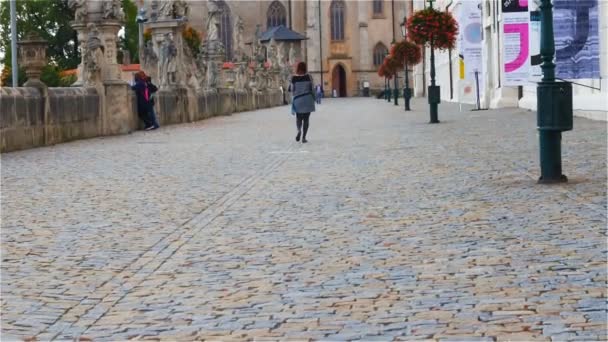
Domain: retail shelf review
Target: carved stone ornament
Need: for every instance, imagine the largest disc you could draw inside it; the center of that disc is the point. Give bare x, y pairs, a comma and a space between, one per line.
32, 56
80, 9
112, 10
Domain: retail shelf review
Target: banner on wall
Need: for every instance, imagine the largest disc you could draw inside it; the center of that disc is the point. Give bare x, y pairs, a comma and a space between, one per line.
516, 44
470, 40
577, 51
535, 72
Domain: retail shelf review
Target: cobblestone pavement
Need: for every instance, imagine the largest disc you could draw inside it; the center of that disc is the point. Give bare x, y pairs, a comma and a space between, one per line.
382, 227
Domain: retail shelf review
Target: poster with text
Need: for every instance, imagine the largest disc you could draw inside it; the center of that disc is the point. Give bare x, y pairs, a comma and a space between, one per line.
577, 51
516, 44
470, 40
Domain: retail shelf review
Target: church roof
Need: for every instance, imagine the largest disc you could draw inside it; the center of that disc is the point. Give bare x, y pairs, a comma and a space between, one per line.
281, 33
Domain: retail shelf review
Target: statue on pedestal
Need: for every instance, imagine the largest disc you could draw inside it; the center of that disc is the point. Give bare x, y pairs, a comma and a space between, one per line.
93, 57
292, 55
239, 48
214, 13
168, 63
273, 55
180, 9
80, 9
200, 70
241, 76
150, 59
154, 10
112, 10
212, 74
172, 9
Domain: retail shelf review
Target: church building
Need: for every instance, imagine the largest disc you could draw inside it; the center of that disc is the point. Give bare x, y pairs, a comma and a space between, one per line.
346, 41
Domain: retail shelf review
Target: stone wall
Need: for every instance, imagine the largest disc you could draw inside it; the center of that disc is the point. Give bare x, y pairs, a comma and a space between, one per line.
30, 119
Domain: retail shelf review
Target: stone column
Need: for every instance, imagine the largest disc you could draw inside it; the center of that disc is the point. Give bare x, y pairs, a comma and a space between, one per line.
160, 29
364, 50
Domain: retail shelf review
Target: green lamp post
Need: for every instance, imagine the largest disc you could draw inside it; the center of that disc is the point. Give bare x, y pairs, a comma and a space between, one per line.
407, 91
396, 76
554, 104
434, 91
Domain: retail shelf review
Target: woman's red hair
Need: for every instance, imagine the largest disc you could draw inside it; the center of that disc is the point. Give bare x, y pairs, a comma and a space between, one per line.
301, 68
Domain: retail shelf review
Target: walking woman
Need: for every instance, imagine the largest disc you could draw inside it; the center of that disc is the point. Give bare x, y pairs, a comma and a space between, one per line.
303, 100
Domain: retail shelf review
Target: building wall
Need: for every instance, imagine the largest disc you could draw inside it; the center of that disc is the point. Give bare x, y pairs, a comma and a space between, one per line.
587, 102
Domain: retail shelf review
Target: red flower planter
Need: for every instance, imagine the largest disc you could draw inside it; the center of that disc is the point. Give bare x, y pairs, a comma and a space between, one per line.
432, 26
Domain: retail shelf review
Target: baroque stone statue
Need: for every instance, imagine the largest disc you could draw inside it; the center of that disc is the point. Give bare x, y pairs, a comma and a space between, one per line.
214, 13
93, 56
112, 10
80, 9
180, 9
292, 55
239, 46
168, 63
173, 9
212, 73
149, 56
272, 56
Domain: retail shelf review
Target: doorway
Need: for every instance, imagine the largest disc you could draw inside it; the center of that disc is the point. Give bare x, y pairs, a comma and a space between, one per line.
339, 80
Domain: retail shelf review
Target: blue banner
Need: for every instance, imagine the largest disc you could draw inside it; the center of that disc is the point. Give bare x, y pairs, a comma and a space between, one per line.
577, 47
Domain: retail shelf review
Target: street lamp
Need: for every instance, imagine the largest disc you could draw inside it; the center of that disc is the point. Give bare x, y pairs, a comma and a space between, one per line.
407, 91
554, 102
396, 90
141, 19
434, 93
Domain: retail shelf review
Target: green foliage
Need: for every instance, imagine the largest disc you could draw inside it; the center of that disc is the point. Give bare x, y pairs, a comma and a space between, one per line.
51, 76
51, 20
130, 41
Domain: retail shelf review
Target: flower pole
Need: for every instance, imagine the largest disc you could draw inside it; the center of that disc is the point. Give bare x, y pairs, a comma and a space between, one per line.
434, 90
438, 30
408, 54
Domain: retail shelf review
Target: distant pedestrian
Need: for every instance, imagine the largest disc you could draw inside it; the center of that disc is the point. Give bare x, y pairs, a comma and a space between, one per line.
152, 89
143, 99
319, 92
303, 100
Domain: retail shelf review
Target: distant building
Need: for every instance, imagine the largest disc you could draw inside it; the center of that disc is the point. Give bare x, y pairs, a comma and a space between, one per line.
346, 40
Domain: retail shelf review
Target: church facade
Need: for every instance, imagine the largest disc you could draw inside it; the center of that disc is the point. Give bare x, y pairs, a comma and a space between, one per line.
346, 41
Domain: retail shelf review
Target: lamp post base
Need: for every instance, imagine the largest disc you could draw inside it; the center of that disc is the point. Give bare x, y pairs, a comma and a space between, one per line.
434, 100
407, 96
551, 158
396, 94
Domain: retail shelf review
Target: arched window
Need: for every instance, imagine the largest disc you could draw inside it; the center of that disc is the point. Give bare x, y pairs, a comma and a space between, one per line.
380, 50
378, 7
226, 29
277, 15
336, 10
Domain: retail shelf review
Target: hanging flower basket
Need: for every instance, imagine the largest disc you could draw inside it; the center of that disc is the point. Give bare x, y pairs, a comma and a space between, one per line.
393, 64
381, 71
408, 52
432, 26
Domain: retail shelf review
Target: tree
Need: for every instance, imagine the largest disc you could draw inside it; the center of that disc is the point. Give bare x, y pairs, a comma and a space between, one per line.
130, 40
51, 20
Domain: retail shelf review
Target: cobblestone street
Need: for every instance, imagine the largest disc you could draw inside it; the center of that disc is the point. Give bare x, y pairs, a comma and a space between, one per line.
382, 227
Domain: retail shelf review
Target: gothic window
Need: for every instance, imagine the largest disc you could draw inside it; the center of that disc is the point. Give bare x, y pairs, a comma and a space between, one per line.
378, 7
379, 52
277, 15
336, 10
226, 29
